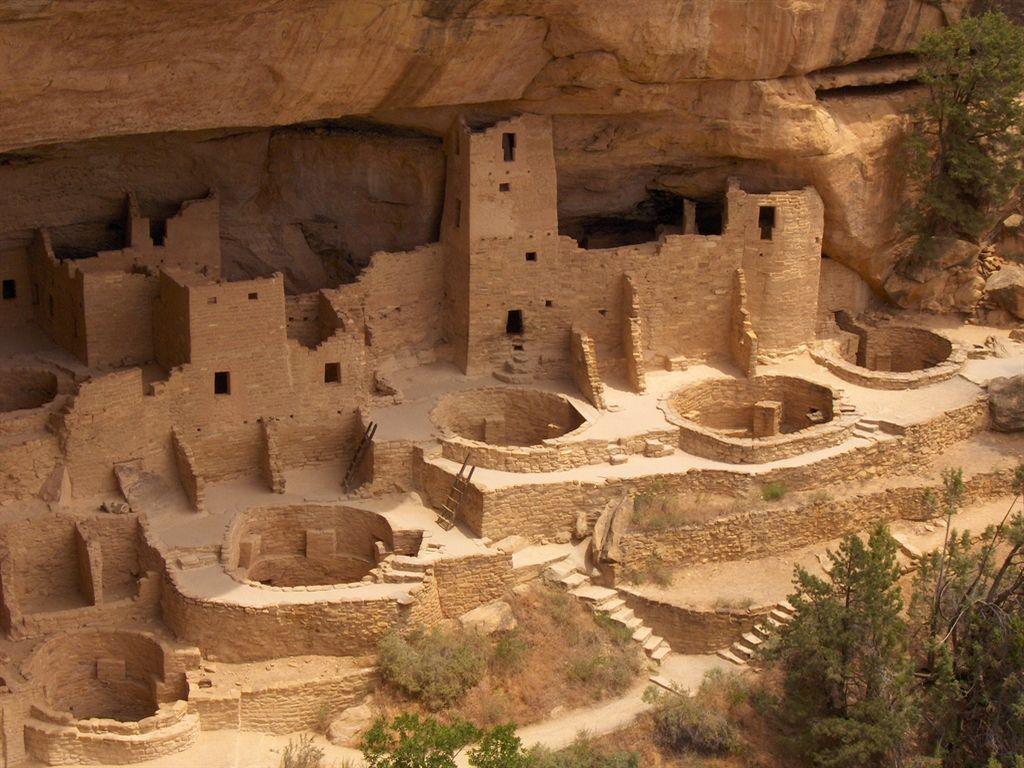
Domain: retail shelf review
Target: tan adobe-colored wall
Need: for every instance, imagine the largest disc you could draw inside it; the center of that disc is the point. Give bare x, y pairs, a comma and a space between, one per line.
59, 288
14, 267
840, 288
585, 371
505, 255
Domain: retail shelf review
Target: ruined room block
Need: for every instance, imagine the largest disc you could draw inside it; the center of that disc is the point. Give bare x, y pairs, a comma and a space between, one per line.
320, 544
767, 418
110, 670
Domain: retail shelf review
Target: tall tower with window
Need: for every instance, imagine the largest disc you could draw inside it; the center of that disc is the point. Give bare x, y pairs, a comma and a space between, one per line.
500, 230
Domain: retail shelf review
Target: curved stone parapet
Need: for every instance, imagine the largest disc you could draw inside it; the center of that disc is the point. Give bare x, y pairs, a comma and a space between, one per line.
757, 420
893, 358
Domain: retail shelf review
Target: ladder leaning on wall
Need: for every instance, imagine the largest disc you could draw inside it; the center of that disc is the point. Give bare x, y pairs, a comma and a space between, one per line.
357, 458
450, 509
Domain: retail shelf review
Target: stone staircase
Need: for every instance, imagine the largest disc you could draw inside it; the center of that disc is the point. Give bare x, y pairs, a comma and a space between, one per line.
518, 369
399, 569
744, 650
607, 602
869, 429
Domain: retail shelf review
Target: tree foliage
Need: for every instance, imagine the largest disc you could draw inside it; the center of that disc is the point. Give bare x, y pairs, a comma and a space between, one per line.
968, 611
848, 679
410, 741
969, 131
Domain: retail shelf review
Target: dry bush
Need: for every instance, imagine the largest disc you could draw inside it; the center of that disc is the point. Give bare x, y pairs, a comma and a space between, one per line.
561, 655
705, 722
302, 753
436, 666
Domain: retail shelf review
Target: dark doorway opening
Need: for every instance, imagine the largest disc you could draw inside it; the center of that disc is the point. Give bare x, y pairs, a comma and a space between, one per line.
332, 373
508, 146
10, 289
514, 322
710, 216
158, 231
766, 221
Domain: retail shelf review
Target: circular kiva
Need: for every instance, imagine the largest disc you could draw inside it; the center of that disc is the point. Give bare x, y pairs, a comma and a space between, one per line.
892, 357
503, 416
25, 388
755, 420
306, 544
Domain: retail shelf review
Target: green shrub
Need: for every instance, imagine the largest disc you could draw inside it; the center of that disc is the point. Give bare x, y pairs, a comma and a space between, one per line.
302, 753
774, 491
603, 675
435, 666
682, 723
583, 753
509, 651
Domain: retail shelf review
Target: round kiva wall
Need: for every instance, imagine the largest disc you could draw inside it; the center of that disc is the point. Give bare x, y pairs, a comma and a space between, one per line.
306, 545
25, 388
98, 674
901, 350
502, 416
759, 407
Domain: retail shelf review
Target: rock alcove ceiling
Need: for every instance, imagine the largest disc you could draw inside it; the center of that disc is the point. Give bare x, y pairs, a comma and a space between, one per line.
320, 123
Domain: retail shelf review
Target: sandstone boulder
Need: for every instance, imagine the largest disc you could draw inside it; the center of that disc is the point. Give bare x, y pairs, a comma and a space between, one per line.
346, 729
1006, 403
1006, 288
490, 618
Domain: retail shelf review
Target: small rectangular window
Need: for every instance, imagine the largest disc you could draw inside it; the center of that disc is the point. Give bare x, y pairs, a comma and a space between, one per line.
766, 221
508, 146
10, 289
549, 303
222, 383
504, 187
253, 296
531, 255
211, 300
332, 373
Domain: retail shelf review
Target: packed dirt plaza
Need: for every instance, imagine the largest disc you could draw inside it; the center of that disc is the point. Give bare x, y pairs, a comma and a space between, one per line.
220, 493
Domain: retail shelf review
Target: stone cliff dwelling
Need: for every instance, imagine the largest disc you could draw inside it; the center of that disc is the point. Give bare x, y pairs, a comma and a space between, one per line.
206, 476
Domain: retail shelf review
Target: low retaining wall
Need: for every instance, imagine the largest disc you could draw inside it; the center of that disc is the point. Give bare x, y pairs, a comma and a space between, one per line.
693, 630
543, 509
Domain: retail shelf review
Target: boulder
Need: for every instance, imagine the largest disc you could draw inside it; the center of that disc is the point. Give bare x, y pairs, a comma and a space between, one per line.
346, 729
512, 544
1006, 288
1006, 403
490, 618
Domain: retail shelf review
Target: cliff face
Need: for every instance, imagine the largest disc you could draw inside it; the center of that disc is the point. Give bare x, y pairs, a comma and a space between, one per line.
671, 95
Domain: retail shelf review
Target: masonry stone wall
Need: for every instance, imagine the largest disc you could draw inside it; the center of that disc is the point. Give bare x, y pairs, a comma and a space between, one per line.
468, 582
585, 371
692, 630
780, 529
539, 509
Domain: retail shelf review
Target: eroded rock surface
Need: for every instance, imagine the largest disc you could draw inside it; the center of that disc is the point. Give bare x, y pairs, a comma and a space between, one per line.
1006, 403
660, 96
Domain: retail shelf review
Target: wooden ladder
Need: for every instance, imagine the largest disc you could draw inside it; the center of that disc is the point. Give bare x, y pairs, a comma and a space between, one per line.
450, 509
357, 457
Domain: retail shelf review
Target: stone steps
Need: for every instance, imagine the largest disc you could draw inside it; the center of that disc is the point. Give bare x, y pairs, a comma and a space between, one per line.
745, 650
607, 602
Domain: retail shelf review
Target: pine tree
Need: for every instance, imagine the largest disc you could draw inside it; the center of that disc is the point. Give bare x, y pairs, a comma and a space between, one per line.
968, 611
848, 681
969, 131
